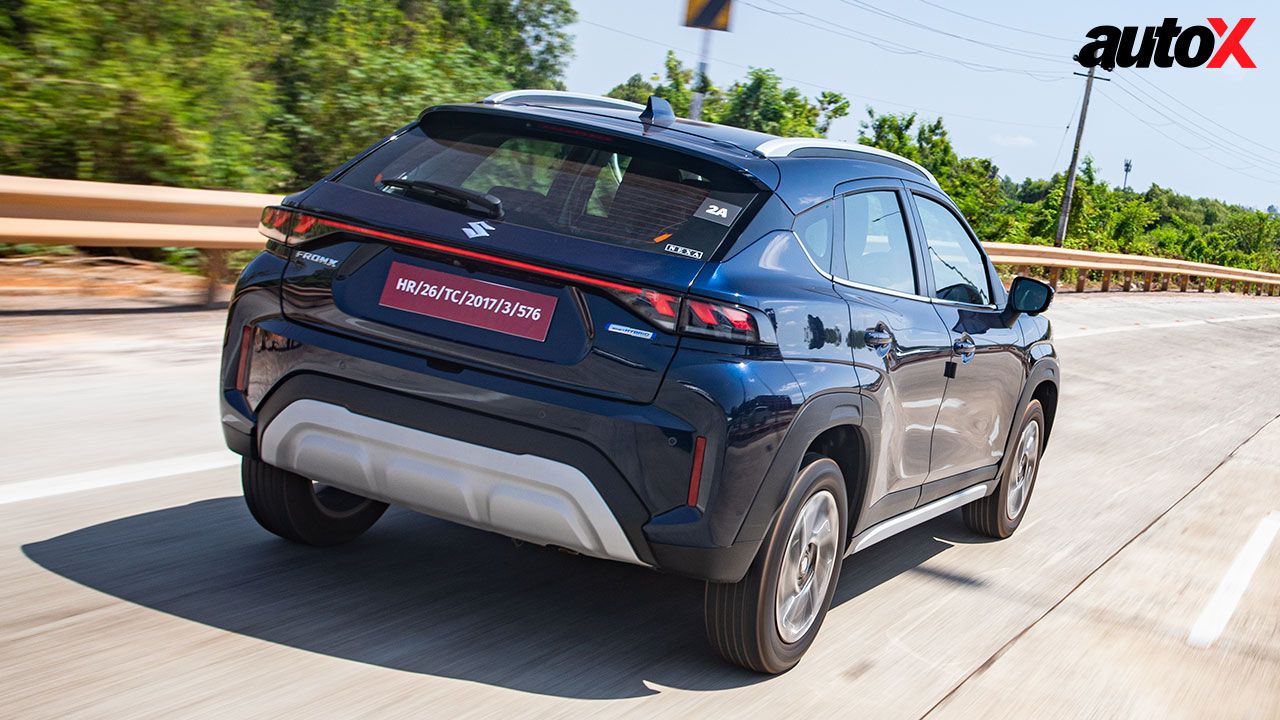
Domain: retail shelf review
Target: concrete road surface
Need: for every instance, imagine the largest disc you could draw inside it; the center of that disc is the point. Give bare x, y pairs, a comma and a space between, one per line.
1145, 581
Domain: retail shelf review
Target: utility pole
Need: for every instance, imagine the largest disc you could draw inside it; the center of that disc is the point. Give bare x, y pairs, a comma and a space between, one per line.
1075, 158
709, 15
695, 103
1128, 165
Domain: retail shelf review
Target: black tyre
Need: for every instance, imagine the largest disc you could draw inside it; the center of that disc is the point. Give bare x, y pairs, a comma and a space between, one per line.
297, 509
999, 514
767, 621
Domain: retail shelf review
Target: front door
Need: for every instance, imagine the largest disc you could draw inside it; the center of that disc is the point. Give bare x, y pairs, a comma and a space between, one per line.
987, 370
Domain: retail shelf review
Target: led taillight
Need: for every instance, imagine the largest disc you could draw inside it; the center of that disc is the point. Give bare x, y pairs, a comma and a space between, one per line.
275, 223
723, 322
659, 308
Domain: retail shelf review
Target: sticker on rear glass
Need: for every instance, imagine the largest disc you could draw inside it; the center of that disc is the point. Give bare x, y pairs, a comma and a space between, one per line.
682, 250
718, 211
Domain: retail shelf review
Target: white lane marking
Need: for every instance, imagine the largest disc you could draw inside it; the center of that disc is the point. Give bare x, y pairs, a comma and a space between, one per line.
1086, 332
1213, 619
118, 475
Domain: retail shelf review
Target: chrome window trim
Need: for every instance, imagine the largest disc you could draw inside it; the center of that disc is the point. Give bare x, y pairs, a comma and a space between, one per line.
942, 301
878, 289
851, 283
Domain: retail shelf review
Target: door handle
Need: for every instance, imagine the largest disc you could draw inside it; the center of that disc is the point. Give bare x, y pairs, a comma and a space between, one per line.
965, 348
877, 337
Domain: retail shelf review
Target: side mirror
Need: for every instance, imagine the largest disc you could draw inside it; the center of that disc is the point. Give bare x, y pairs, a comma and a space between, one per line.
1029, 296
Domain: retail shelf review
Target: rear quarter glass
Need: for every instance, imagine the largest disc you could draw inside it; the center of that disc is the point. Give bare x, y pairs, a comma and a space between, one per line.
580, 183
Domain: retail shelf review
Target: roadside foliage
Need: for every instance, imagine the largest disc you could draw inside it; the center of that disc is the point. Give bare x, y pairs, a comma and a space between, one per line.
266, 95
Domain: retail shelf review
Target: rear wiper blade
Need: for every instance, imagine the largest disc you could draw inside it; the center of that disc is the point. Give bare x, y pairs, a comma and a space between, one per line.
456, 197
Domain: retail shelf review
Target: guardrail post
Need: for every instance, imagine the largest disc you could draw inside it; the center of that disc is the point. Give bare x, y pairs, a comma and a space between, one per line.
1164, 282
1182, 282
1217, 285
1146, 282
1106, 281
1053, 277
1201, 283
1023, 270
1257, 289
215, 270
1128, 280
1082, 276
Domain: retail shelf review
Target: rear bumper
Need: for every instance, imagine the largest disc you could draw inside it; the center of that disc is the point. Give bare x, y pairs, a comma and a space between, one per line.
636, 457
520, 495
525, 469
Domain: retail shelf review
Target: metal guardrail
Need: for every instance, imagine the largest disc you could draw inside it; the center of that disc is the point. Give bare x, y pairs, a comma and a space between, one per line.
93, 214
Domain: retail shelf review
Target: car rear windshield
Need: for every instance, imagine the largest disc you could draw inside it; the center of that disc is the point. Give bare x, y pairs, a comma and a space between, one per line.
567, 180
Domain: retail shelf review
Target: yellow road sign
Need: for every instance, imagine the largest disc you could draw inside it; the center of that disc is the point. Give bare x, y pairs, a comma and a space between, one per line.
707, 14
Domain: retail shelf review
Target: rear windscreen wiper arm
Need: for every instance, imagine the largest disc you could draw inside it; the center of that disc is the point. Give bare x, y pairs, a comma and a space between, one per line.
455, 196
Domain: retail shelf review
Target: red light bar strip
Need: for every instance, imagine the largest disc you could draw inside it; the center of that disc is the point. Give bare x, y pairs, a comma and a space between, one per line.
695, 477
448, 250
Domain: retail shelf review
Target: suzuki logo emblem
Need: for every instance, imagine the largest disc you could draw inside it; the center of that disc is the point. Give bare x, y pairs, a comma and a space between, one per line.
477, 229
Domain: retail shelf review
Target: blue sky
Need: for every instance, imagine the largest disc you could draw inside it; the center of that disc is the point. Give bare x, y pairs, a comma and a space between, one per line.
1199, 131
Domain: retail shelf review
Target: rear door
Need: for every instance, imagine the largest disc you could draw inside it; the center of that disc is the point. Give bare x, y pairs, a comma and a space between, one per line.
986, 363
899, 344
577, 284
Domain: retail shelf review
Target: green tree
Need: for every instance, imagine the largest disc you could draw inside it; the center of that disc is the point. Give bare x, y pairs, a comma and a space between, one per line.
248, 94
758, 102
359, 69
143, 91
527, 37
635, 89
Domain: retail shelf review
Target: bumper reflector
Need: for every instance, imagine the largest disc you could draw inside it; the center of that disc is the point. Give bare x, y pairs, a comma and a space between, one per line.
695, 477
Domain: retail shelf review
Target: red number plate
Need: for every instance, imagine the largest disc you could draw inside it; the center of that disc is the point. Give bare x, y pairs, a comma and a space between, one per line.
462, 300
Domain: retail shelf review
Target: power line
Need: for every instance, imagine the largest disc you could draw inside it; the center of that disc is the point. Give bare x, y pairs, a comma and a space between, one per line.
999, 25
1070, 121
824, 87
1202, 115
1172, 116
1200, 133
1186, 123
1197, 151
922, 26
828, 26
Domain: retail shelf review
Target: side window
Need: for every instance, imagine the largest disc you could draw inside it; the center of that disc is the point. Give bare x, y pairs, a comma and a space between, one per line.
877, 250
813, 227
959, 270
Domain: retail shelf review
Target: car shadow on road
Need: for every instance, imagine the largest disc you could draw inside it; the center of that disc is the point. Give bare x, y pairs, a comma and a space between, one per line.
427, 596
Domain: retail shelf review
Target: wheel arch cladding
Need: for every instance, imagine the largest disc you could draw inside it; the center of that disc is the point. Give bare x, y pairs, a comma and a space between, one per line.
1042, 385
1047, 393
822, 413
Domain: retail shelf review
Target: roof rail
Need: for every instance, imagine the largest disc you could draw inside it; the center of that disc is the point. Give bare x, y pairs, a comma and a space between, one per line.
782, 147
559, 97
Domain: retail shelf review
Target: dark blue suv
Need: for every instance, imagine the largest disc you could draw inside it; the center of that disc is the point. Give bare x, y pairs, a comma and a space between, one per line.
588, 324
